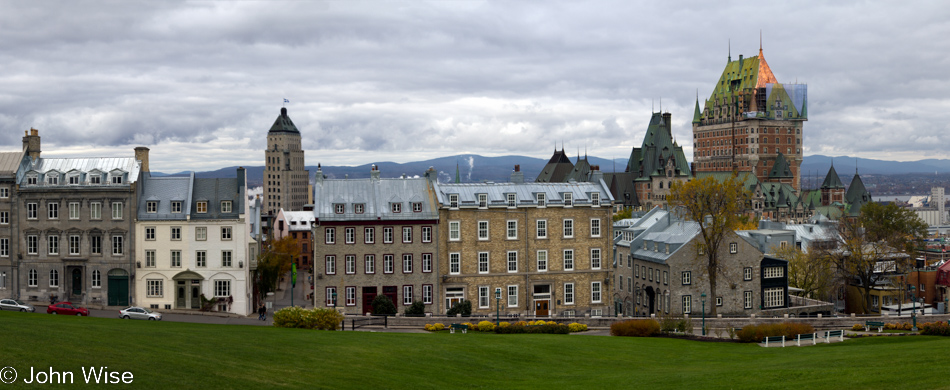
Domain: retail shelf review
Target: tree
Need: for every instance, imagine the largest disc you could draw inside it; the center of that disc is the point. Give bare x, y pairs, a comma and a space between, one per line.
623, 214
274, 261
382, 305
717, 206
875, 245
808, 271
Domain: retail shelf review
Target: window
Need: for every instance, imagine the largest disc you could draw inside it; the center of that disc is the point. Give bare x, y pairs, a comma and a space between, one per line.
568, 199
54, 278
718, 301
116, 210
686, 278
427, 294
568, 228
74, 210
349, 264
225, 233
176, 206
455, 264
542, 228
338, 208
349, 235
387, 235
629, 284
31, 211
149, 233
331, 265
687, 301
222, 288
427, 234
95, 210
636, 271
388, 264
52, 178
176, 233
783, 244
369, 264
117, 179
96, 279
453, 201
4, 247
201, 259
454, 234
483, 201
31, 281
482, 230
406, 295
358, 208
150, 258
595, 228
426, 262
31, 180
151, 207
4, 217
747, 273
512, 202
568, 293
747, 299
483, 297
650, 274
483, 262
407, 263
52, 245
542, 261
774, 297
699, 250
512, 296
512, 261
595, 295
416, 207
154, 288
568, 259
117, 245
774, 272
733, 248
541, 201
396, 207
595, 258
202, 207
96, 244
176, 258
330, 234
512, 230
407, 234
4, 192
331, 296
226, 257
351, 296
201, 233
595, 199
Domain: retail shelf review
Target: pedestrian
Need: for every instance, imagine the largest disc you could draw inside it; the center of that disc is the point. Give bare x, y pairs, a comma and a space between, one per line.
262, 313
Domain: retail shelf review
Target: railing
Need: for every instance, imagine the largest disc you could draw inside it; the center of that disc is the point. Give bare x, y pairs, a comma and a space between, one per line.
365, 321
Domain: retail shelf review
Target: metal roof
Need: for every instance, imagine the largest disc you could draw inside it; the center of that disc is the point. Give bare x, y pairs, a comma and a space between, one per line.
525, 193
10, 163
214, 191
298, 220
376, 196
165, 190
85, 166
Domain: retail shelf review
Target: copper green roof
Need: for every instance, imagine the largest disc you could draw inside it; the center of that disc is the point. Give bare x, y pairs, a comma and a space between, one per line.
697, 116
557, 169
748, 87
283, 124
657, 149
832, 181
780, 169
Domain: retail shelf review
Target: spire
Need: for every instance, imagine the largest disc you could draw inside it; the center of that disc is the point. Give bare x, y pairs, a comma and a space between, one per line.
457, 178
730, 50
697, 116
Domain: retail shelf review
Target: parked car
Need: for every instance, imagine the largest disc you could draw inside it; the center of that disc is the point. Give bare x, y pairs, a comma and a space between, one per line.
67, 308
139, 313
16, 305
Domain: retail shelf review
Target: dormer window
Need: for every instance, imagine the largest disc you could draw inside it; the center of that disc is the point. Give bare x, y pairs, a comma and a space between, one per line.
176, 206
511, 200
482, 201
117, 179
568, 199
454, 201
417, 207
358, 208
202, 207
52, 179
95, 179
151, 206
31, 180
226, 206
74, 180
595, 199
395, 207
541, 200
339, 208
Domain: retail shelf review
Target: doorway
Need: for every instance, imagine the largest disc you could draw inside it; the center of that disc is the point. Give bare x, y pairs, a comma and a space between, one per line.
651, 299
180, 294
77, 281
195, 294
118, 287
542, 299
453, 295
369, 293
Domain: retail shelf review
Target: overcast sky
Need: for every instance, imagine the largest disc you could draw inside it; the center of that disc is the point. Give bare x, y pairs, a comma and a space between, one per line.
200, 83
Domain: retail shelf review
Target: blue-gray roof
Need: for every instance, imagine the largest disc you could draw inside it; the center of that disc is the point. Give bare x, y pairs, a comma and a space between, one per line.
85, 168
214, 191
525, 193
165, 190
376, 197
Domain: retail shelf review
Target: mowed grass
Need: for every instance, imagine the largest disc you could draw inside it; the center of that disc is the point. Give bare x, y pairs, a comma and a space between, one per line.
180, 355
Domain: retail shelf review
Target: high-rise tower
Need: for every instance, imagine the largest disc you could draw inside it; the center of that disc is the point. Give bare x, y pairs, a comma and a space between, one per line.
285, 176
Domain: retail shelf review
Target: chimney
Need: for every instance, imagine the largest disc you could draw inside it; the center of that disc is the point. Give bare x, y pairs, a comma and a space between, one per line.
241, 177
595, 174
666, 120
432, 175
31, 143
141, 154
517, 176
374, 172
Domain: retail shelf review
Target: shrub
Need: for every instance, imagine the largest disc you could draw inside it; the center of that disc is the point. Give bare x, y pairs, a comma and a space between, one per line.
857, 327
548, 328
732, 333
908, 326
486, 326
464, 308
755, 333
576, 327
297, 317
890, 326
935, 329
503, 324
635, 328
470, 325
382, 305
668, 324
417, 309
438, 326
685, 325
521, 323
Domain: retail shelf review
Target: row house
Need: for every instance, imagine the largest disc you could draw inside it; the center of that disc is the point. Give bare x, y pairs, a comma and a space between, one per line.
375, 237
540, 246
192, 244
10, 163
297, 225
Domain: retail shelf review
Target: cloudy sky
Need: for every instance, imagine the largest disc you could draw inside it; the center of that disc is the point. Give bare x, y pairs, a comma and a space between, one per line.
200, 83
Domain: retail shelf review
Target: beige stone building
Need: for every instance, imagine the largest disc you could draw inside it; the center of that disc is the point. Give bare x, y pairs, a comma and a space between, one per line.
286, 178
543, 246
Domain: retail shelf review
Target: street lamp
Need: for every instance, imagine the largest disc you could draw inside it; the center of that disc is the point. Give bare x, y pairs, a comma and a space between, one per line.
913, 312
497, 304
703, 299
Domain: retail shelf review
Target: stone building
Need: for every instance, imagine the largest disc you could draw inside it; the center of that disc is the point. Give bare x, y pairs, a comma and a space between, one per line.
544, 246
297, 225
376, 237
286, 178
10, 163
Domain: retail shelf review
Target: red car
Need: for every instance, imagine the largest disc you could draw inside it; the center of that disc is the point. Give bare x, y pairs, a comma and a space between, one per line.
67, 309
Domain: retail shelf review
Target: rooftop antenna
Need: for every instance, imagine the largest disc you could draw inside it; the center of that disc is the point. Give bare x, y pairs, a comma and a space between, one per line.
652, 105
760, 40
661, 105
730, 50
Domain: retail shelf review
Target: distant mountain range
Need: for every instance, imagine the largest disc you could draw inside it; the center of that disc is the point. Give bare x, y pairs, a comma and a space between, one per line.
475, 168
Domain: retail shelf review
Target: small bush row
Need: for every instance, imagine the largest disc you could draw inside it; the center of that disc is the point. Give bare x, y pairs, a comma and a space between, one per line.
935, 329
635, 328
539, 326
549, 327
298, 317
887, 326
755, 333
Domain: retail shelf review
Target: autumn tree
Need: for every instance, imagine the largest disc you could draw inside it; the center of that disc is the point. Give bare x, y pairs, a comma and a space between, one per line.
810, 272
274, 261
717, 205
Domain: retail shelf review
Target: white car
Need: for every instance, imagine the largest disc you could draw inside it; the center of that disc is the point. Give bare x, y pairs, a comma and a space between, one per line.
139, 313
16, 305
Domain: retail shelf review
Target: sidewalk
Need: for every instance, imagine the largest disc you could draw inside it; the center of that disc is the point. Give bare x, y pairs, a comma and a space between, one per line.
282, 297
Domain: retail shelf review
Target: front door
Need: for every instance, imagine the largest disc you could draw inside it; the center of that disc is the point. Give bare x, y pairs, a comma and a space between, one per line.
77, 281
195, 294
651, 299
181, 296
369, 293
541, 307
118, 288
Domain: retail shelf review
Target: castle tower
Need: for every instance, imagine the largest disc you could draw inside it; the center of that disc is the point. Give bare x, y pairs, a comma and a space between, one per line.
285, 175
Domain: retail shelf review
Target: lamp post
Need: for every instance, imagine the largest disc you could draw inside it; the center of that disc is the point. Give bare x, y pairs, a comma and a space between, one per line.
703, 299
497, 304
913, 312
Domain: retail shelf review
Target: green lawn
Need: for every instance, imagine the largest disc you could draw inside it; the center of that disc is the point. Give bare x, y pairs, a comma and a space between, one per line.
167, 355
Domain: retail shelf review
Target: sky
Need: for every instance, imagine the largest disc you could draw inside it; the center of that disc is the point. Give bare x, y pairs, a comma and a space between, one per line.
201, 82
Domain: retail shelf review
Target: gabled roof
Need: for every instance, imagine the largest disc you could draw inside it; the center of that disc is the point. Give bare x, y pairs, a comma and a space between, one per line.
832, 181
581, 170
557, 169
657, 149
781, 169
283, 124
10, 163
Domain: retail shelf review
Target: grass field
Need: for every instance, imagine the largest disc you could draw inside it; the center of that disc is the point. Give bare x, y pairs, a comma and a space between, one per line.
179, 355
